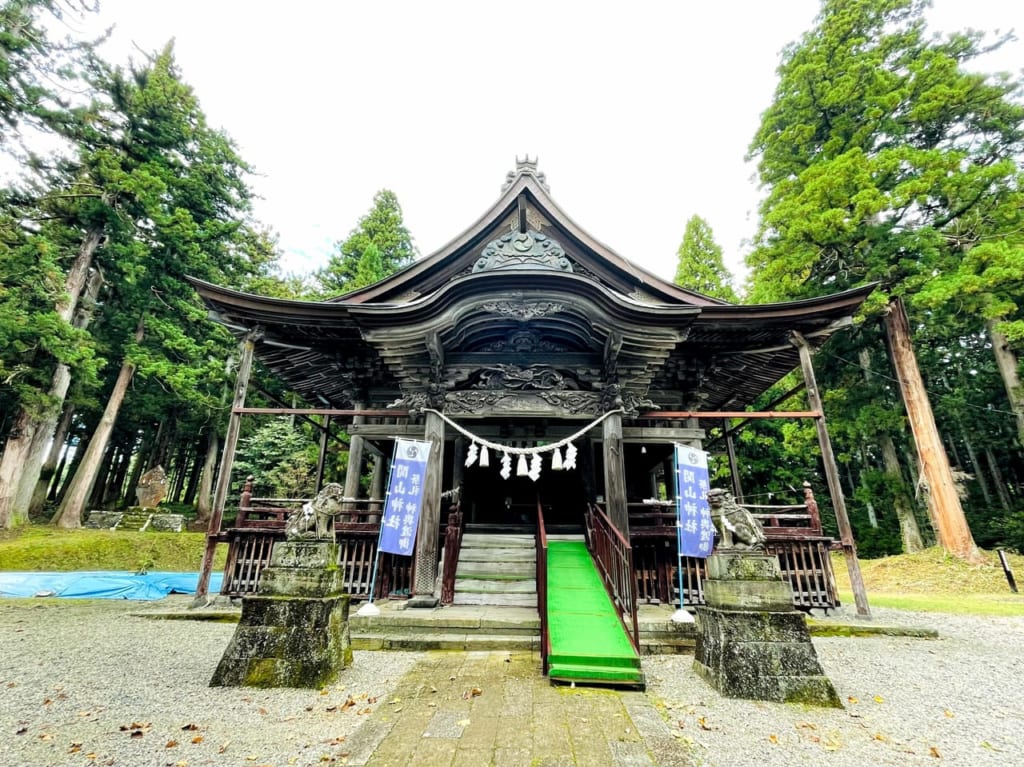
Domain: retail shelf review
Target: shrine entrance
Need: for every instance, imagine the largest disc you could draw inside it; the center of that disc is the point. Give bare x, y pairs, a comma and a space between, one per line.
488, 500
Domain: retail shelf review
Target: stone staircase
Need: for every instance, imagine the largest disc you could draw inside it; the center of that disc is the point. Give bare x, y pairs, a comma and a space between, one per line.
497, 570
135, 519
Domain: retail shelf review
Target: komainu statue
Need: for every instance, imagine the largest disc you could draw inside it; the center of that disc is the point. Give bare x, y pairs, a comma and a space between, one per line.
737, 528
313, 520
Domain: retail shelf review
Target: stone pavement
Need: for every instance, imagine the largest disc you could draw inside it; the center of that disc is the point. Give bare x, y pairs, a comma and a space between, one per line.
474, 709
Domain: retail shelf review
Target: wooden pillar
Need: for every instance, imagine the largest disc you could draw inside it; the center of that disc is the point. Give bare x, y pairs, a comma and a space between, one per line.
425, 576
321, 461
220, 494
355, 458
947, 513
615, 473
734, 467
377, 487
835, 489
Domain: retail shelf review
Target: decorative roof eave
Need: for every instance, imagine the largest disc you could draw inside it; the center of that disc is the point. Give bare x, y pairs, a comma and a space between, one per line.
609, 264
261, 310
830, 306
527, 285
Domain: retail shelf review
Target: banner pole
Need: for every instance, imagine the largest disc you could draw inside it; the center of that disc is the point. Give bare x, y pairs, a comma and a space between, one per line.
370, 609
680, 615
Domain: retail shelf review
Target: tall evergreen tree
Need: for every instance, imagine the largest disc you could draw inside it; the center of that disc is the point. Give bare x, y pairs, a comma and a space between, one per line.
700, 266
881, 156
379, 246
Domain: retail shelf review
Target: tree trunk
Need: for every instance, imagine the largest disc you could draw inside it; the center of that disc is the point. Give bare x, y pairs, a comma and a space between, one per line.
19, 441
979, 474
1006, 359
909, 531
22, 458
997, 480
954, 533
69, 515
204, 498
100, 486
49, 467
872, 514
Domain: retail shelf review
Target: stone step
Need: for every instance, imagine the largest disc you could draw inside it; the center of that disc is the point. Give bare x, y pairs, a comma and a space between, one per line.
496, 555
495, 600
469, 568
445, 641
523, 586
490, 540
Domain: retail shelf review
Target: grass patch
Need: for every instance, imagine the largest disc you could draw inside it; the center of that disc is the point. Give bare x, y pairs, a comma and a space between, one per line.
43, 548
934, 581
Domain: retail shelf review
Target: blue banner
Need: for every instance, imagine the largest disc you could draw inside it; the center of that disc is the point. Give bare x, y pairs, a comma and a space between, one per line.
404, 498
696, 532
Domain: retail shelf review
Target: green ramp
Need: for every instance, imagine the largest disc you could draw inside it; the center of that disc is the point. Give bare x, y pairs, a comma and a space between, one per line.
588, 642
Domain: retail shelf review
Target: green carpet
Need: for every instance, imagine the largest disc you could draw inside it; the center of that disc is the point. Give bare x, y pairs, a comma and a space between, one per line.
588, 643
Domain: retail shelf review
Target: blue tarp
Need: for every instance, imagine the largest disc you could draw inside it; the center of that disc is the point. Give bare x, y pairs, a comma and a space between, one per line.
102, 585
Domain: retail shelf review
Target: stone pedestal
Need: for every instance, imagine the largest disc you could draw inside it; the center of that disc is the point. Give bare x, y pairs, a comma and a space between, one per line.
751, 641
294, 632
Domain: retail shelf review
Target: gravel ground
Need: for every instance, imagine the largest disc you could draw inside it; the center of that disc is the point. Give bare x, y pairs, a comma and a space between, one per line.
86, 683
955, 700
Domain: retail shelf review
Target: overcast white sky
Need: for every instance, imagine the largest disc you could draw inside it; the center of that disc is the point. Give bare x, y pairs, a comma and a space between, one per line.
640, 113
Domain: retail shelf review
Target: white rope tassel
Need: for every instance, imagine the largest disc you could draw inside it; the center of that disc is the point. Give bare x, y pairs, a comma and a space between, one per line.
556, 460
570, 457
485, 459
535, 466
471, 455
506, 466
521, 468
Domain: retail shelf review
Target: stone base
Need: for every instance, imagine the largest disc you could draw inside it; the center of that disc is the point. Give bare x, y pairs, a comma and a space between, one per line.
294, 632
422, 600
751, 642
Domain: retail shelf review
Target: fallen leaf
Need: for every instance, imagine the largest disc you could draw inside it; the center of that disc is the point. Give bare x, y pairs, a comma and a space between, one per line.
47, 702
806, 726
136, 734
190, 727
263, 711
21, 731
349, 702
91, 755
989, 746
773, 739
331, 708
852, 699
372, 700
879, 736
75, 748
366, 710
85, 713
703, 724
934, 752
289, 718
393, 701
197, 739
46, 736
182, 763
223, 746
171, 744
879, 699
949, 713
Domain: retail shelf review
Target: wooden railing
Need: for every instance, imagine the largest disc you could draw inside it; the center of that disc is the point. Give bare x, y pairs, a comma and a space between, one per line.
614, 558
542, 587
452, 547
261, 522
794, 534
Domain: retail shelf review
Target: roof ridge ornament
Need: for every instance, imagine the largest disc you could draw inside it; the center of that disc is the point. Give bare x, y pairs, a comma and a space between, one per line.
526, 167
523, 250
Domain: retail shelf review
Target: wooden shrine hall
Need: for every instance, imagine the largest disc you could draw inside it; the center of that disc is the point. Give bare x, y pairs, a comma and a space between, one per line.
528, 334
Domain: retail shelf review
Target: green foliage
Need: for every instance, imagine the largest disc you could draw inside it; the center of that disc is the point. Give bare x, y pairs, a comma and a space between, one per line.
879, 146
885, 158
700, 266
281, 458
379, 246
